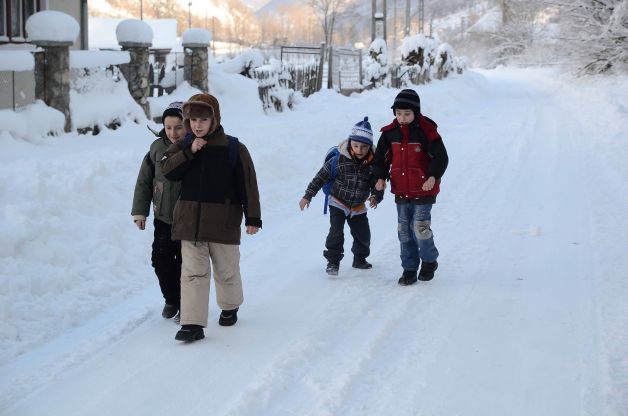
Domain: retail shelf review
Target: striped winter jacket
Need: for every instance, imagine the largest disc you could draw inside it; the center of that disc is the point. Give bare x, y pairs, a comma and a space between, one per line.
354, 182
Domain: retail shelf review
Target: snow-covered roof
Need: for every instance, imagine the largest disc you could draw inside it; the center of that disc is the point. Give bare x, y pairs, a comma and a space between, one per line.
197, 36
52, 26
102, 33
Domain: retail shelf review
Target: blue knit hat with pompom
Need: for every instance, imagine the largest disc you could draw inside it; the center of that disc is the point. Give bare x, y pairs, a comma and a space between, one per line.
362, 132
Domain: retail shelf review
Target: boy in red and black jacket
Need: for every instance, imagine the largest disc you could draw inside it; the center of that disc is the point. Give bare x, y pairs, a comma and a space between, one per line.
412, 155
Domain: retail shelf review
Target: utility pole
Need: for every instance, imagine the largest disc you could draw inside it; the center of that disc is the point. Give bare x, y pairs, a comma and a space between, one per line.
378, 21
373, 12
141, 9
422, 16
385, 25
406, 30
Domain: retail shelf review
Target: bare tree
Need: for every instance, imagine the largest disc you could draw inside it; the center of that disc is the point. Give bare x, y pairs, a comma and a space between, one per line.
329, 12
165, 9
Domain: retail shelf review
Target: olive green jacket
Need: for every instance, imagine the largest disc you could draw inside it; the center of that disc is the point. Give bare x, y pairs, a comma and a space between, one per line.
153, 186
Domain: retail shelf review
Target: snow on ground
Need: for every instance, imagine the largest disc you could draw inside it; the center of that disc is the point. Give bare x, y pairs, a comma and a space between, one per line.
527, 314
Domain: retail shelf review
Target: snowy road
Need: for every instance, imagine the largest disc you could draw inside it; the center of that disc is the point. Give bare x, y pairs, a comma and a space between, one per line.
526, 316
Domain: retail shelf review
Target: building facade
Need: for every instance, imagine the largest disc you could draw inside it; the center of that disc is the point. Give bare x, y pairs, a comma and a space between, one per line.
17, 88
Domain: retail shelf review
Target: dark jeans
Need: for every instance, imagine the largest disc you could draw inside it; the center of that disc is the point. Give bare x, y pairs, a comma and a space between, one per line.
360, 230
166, 259
415, 235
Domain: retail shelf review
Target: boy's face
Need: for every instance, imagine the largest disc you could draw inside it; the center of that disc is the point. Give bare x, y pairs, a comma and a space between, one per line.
359, 150
200, 126
174, 128
404, 116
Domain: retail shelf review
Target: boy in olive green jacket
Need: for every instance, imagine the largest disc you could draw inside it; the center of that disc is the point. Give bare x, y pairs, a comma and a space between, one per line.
153, 186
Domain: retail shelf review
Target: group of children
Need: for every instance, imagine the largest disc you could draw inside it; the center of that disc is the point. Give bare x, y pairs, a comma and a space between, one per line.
202, 182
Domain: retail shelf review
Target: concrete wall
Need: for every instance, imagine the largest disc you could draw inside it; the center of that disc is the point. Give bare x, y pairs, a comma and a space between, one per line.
18, 86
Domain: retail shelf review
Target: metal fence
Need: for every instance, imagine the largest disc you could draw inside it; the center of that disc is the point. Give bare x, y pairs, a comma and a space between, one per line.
167, 71
344, 69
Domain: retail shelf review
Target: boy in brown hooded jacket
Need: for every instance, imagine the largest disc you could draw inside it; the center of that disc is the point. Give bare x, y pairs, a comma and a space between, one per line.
219, 186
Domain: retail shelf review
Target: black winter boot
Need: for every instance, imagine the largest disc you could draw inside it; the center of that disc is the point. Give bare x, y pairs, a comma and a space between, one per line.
190, 333
407, 278
427, 271
332, 269
361, 263
228, 318
169, 311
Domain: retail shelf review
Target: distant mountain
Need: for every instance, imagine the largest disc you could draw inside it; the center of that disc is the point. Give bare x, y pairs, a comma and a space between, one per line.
255, 4
272, 5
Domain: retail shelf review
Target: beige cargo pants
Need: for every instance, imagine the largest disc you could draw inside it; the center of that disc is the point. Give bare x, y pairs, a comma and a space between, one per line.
195, 276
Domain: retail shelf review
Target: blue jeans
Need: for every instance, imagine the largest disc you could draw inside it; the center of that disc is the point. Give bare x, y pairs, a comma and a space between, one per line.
415, 235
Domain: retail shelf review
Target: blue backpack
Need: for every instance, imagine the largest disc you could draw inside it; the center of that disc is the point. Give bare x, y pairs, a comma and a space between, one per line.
334, 154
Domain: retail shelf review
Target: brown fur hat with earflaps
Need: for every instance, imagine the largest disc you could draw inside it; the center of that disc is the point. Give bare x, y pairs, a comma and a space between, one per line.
202, 106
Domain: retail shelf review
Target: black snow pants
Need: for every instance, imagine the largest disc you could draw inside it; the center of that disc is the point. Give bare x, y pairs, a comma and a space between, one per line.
166, 260
360, 230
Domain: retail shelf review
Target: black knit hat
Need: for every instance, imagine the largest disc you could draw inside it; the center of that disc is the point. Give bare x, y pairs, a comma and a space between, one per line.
173, 109
407, 100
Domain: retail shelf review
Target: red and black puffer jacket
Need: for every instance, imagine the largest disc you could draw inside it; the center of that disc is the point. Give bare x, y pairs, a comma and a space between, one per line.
408, 155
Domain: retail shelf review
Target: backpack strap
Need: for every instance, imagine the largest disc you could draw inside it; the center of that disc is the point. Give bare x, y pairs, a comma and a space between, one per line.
332, 177
187, 140
234, 147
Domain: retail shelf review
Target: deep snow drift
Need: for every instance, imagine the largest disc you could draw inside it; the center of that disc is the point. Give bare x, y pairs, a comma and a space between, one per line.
526, 316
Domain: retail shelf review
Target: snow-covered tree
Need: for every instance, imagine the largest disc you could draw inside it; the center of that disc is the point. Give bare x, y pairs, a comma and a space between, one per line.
376, 63
596, 32
516, 34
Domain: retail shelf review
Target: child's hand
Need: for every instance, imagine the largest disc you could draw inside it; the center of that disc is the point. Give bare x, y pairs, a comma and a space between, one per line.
304, 203
250, 229
141, 224
197, 144
373, 202
429, 184
380, 185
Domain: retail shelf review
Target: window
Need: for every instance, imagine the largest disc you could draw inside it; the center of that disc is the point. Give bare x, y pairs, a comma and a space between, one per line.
15, 27
3, 22
13, 15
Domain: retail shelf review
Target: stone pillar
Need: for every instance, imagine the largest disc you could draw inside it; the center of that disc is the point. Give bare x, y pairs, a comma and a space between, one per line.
52, 77
137, 73
196, 65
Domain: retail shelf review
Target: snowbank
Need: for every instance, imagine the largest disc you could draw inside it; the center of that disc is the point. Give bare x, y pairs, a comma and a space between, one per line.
114, 104
32, 122
12, 60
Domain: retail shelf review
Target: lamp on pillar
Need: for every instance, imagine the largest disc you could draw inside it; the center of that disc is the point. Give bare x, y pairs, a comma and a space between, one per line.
189, 15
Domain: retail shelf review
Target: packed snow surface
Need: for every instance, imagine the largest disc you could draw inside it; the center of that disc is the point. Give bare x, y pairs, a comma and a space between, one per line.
527, 314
